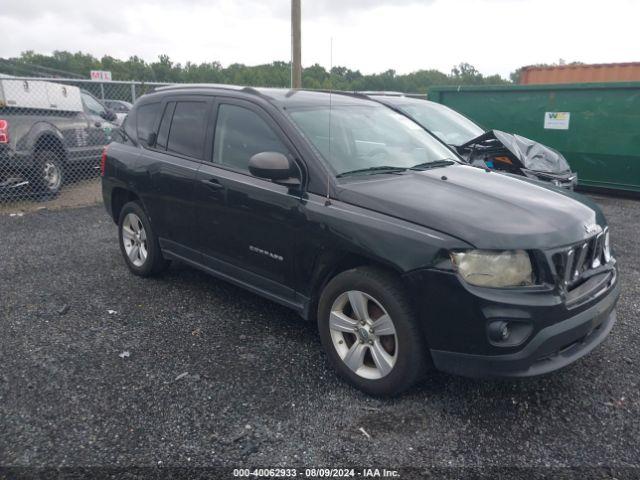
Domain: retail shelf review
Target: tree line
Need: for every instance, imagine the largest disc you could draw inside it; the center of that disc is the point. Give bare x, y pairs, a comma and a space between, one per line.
275, 74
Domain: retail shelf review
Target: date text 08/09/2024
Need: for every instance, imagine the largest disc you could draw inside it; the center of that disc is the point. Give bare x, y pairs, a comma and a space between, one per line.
316, 473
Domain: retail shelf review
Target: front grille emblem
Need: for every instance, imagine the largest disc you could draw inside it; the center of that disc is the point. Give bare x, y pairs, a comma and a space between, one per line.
591, 229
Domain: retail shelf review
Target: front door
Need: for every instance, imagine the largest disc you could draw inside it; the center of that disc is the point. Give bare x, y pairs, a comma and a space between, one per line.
248, 226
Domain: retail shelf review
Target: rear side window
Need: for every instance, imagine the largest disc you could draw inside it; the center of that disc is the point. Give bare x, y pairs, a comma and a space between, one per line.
146, 120
188, 128
240, 134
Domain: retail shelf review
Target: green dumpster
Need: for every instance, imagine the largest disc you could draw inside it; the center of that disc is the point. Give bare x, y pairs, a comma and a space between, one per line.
596, 126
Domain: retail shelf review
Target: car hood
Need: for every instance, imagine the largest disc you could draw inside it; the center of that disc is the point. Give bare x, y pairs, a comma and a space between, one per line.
533, 155
486, 209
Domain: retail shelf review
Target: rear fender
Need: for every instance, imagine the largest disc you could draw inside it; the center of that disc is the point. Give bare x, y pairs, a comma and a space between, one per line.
39, 133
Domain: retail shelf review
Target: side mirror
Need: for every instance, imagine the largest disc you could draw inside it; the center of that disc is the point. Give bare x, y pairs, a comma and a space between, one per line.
109, 115
152, 139
273, 166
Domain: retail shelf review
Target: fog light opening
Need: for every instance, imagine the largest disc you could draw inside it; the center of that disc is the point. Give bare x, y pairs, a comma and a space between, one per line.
499, 331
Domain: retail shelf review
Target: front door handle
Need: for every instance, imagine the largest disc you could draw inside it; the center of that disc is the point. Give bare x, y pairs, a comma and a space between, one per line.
212, 183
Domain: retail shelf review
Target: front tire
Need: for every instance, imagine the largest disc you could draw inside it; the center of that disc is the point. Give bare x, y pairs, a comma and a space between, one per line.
368, 329
138, 242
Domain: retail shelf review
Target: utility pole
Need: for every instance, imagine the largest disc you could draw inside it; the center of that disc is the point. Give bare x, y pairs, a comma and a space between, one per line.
296, 44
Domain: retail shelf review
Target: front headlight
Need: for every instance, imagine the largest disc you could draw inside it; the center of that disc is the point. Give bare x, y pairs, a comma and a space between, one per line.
486, 268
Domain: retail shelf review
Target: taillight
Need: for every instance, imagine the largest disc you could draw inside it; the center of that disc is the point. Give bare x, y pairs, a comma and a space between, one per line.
4, 131
103, 161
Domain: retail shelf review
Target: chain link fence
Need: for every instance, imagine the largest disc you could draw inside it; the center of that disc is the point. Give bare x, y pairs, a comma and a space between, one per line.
53, 132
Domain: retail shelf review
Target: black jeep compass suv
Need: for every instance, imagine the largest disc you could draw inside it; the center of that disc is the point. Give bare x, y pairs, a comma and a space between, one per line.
358, 219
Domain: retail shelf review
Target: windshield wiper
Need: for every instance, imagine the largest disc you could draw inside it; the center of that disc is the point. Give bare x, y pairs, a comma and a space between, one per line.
373, 171
434, 164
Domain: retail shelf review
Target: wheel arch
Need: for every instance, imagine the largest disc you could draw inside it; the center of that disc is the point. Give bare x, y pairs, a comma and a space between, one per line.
119, 198
330, 264
50, 141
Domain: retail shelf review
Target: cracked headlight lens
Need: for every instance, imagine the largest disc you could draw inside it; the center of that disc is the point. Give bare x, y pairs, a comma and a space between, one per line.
487, 268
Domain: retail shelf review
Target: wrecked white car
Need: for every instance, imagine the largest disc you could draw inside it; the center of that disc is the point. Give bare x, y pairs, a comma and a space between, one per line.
492, 149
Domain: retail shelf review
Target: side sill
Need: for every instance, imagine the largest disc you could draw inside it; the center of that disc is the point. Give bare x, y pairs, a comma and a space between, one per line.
301, 308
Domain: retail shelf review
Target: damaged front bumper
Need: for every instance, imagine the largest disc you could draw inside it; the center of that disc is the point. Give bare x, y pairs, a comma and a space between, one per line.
547, 327
552, 348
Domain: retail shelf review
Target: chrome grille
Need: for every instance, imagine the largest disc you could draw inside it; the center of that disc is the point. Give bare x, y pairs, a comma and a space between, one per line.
572, 263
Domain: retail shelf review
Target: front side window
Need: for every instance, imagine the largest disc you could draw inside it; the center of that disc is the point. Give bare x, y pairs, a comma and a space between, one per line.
146, 116
188, 129
355, 137
240, 134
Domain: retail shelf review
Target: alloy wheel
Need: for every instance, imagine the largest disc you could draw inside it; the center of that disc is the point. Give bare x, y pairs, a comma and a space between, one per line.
134, 239
52, 176
363, 335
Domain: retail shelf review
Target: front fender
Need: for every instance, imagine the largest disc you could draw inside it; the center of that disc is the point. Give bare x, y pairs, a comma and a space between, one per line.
340, 230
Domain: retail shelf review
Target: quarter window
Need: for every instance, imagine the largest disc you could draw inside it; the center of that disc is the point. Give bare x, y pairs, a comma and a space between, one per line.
240, 134
188, 129
146, 119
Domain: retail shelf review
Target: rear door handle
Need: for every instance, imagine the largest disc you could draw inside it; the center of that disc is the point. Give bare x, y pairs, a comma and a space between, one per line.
212, 183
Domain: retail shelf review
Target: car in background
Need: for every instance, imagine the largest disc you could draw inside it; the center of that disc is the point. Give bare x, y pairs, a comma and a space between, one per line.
492, 149
120, 107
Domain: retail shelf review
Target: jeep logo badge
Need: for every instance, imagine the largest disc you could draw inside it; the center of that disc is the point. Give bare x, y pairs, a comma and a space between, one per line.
591, 229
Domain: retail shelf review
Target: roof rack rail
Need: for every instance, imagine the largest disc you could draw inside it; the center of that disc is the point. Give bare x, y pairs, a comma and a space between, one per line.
237, 88
381, 93
373, 93
346, 93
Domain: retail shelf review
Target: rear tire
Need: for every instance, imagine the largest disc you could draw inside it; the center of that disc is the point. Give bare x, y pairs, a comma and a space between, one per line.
370, 333
138, 242
49, 174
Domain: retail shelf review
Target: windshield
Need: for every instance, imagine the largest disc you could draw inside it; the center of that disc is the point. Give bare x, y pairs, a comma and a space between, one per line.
367, 137
446, 124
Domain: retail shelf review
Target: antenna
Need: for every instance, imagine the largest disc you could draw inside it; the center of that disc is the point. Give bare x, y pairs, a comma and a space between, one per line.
328, 201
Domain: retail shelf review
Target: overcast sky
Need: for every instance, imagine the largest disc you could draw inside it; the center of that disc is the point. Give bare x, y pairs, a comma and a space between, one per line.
496, 36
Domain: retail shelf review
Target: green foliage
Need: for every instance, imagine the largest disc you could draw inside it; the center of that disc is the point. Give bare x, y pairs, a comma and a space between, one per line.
276, 74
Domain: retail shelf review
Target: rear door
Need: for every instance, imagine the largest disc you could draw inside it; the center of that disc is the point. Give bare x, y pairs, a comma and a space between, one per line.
170, 164
248, 226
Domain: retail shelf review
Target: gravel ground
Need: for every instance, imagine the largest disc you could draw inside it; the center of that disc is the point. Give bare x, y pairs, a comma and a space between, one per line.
188, 370
82, 193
